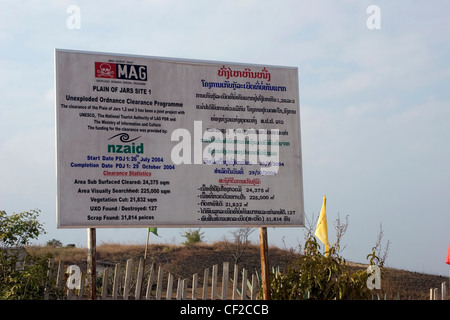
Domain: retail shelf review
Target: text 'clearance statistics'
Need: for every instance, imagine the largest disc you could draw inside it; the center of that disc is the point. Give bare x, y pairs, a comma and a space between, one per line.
145, 141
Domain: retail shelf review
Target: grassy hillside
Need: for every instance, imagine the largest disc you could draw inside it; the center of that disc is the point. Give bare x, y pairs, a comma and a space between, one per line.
184, 261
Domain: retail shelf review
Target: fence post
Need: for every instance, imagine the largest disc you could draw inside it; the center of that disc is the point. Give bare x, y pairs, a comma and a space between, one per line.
150, 283
214, 282
194, 286
82, 285
49, 278
169, 287
140, 277
253, 290
105, 284
184, 292
443, 291
235, 281
92, 263
244, 284
128, 271
205, 284
116, 282
179, 289
59, 275
159, 283
264, 252
225, 275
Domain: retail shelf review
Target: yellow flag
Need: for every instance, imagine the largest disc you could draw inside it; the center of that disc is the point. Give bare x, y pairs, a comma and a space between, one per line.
322, 229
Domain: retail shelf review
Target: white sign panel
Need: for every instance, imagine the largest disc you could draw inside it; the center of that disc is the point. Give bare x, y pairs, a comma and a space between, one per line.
144, 141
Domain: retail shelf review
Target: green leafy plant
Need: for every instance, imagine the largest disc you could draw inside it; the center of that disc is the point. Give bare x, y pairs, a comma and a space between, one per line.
320, 277
193, 237
22, 276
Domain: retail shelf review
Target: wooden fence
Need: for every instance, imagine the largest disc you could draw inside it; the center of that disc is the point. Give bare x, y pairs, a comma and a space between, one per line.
434, 294
138, 281
152, 282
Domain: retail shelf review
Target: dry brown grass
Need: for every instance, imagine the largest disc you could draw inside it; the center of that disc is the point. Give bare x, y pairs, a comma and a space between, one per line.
66, 254
184, 261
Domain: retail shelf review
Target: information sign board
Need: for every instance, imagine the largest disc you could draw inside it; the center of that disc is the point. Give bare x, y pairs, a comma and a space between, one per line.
148, 141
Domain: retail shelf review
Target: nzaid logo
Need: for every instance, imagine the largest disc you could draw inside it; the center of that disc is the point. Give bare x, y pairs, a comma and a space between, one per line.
125, 148
120, 71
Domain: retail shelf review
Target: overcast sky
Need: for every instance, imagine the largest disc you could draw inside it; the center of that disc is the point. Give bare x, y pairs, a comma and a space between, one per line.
374, 106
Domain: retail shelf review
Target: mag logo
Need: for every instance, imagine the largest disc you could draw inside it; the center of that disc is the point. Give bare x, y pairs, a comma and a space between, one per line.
120, 71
